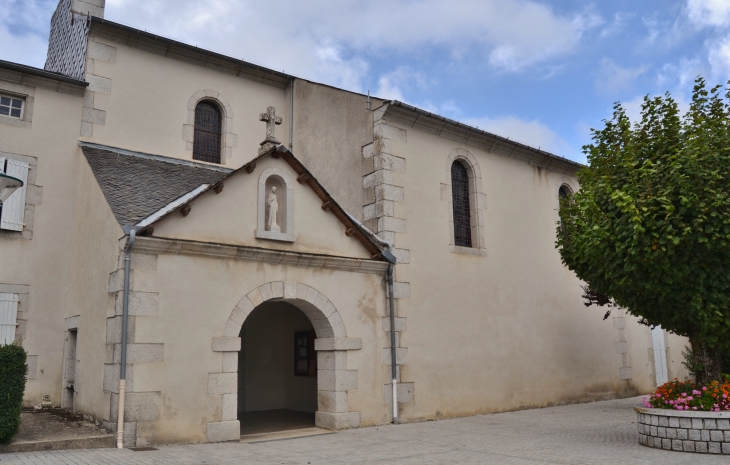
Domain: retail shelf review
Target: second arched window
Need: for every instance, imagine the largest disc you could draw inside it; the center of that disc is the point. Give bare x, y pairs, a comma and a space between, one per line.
460, 202
207, 138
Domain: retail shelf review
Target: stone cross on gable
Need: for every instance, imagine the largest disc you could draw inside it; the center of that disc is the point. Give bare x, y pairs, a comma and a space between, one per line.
271, 119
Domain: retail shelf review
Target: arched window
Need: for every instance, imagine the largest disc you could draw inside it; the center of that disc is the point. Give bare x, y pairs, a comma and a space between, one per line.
564, 191
207, 137
460, 201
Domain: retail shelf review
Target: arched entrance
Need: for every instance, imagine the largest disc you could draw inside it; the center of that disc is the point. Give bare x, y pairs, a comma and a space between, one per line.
277, 370
277, 308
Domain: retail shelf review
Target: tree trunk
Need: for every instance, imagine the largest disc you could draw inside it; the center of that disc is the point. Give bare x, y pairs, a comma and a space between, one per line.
707, 362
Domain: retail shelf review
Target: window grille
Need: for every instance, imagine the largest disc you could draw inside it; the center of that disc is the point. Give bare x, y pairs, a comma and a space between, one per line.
207, 137
460, 201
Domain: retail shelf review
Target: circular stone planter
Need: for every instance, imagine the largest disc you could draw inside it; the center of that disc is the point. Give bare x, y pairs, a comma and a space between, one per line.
688, 431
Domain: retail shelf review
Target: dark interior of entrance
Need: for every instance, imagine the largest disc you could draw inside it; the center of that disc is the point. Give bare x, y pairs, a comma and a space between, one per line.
277, 372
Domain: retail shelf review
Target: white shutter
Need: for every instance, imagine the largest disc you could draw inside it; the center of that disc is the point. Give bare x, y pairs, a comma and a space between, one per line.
660, 355
8, 317
14, 208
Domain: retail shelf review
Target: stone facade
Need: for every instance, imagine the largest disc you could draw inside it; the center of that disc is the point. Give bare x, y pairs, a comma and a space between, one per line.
472, 322
684, 431
383, 172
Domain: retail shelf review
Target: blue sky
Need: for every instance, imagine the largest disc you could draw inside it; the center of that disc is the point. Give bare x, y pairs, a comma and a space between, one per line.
541, 72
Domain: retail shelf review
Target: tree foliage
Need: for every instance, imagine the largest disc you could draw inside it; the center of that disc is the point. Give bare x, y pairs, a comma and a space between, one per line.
650, 226
13, 369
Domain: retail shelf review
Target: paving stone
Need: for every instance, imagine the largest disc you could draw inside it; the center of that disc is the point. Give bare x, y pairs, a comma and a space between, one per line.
598, 433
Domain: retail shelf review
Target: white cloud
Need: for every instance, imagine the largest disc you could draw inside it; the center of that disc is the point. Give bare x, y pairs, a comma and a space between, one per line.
332, 68
613, 78
392, 85
620, 20
24, 27
509, 35
532, 133
681, 75
709, 12
719, 58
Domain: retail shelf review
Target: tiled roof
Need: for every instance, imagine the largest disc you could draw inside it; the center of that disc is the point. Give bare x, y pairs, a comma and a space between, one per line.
136, 184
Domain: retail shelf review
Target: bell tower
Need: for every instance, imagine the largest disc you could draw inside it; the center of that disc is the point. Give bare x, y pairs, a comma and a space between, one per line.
68, 37
90, 7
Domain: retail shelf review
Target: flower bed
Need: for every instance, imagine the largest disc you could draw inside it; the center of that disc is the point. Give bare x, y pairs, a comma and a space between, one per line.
686, 395
685, 430
684, 416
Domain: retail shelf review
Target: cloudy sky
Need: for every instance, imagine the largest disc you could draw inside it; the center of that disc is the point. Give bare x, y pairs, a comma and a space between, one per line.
539, 71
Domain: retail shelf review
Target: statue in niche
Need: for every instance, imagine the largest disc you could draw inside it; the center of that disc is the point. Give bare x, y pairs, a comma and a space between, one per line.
273, 211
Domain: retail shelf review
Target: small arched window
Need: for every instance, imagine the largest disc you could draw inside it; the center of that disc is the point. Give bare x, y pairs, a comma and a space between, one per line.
460, 202
564, 192
207, 137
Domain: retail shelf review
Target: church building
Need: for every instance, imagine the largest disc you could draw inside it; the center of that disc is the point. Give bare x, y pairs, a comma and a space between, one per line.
203, 245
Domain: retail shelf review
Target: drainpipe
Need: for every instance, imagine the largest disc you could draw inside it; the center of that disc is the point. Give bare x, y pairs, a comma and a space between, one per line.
125, 314
391, 306
291, 114
394, 367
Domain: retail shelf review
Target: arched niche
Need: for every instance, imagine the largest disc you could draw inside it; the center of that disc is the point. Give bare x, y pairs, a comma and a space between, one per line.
283, 229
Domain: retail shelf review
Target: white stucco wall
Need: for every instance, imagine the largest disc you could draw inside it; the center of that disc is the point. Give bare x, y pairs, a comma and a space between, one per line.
144, 99
231, 217
507, 329
39, 257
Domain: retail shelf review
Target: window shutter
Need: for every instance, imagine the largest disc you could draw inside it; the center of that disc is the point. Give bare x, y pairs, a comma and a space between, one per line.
14, 208
8, 317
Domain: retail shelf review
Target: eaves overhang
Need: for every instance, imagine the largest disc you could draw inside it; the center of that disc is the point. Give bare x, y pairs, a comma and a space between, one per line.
413, 117
30, 76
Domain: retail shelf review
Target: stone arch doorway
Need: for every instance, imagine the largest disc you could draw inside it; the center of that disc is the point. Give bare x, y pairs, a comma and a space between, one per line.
333, 379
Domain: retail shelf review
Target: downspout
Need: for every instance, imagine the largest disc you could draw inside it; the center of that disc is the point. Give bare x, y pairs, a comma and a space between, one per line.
394, 367
125, 314
291, 114
391, 307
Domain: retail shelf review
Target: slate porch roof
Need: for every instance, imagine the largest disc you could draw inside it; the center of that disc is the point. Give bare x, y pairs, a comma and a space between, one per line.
137, 185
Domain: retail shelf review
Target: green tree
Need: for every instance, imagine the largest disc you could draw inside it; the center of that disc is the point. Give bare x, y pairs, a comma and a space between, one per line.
650, 226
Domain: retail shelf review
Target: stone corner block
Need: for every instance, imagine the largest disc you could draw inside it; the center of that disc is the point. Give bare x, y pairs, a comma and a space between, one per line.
405, 393
222, 383
116, 280
142, 406
336, 421
223, 431
386, 131
336, 380
140, 303
402, 290
226, 344
401, 356
338, 343
332, 401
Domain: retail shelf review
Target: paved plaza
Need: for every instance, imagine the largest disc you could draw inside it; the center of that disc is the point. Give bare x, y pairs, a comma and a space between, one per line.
597, 433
